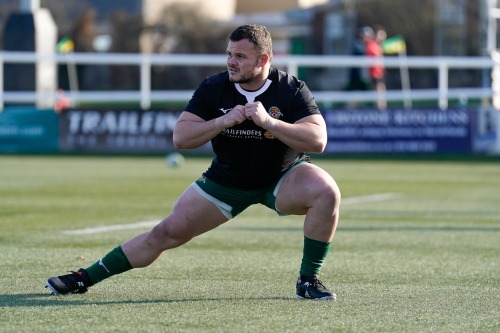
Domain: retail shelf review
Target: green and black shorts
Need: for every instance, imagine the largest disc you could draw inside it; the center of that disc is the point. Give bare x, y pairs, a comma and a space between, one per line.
232, 201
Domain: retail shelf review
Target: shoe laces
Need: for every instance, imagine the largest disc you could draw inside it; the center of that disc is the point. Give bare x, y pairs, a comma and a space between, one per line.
78, 274
318, 284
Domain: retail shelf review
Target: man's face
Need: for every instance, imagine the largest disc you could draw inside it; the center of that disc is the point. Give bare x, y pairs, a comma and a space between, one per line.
243, 62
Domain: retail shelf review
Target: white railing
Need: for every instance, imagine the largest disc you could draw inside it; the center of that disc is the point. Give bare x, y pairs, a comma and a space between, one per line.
290, 63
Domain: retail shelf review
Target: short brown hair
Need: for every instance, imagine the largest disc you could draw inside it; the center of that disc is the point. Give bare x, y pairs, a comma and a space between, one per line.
257, 34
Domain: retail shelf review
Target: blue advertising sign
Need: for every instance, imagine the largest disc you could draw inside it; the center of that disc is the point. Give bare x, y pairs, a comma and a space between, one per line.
28, 130
116, 131
400, 131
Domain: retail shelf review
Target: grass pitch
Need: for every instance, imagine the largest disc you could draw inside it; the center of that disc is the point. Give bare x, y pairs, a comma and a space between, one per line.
422, 255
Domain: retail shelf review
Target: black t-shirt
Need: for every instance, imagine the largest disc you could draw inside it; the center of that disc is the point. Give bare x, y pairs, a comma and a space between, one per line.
246, 156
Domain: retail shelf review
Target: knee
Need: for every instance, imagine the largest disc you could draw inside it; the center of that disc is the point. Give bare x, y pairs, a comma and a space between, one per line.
165, 236
329, 195
158, 236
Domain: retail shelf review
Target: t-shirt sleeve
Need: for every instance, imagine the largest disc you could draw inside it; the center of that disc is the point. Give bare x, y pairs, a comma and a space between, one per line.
199, 104
304, 104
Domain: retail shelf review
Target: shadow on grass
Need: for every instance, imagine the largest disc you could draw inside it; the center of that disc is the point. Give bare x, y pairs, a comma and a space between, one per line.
43, 300
386, 228
420, 229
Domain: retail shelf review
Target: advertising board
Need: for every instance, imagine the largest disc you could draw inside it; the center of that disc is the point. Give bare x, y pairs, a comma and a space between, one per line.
400, 131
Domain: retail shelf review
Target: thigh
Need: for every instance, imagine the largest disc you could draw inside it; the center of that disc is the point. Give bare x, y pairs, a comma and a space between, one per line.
302, 187
193, 215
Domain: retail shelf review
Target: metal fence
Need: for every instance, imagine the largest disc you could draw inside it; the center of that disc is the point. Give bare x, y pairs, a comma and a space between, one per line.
291, 63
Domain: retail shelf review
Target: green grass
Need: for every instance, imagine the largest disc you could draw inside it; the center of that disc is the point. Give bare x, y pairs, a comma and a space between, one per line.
427, 260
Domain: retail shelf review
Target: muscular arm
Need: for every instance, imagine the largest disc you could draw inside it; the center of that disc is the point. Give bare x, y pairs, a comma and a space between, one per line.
192, 131
307, 134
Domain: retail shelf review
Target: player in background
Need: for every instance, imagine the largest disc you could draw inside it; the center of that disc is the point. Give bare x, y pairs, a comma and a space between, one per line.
260, 121
373, 48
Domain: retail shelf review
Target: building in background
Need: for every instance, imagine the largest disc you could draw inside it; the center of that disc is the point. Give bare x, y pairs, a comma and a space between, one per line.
430, 27
230, 13
244, 7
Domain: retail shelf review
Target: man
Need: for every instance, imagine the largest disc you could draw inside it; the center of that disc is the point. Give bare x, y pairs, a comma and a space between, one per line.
358, 76
260, 121
373, 48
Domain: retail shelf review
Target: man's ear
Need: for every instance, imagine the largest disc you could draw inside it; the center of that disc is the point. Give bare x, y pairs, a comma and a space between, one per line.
264, 59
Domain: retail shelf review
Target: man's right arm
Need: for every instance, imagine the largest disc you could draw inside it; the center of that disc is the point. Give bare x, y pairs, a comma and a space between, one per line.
192, 131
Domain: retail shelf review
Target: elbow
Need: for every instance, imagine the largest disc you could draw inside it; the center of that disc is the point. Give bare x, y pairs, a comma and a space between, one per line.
179, 145
316, 148
181, 142
319, 145
178, 142
320, 141
319, 148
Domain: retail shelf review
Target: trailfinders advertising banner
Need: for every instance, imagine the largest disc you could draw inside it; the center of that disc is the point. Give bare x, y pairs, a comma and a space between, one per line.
117, 131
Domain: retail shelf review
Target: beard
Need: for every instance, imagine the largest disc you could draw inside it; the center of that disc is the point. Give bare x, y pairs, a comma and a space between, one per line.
246, 78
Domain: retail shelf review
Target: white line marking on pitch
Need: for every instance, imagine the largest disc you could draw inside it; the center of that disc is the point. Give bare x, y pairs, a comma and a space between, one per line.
149, 224
108, 228
369, 198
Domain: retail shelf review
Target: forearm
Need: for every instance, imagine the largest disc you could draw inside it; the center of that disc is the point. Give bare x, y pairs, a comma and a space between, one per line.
306, 137
189, 134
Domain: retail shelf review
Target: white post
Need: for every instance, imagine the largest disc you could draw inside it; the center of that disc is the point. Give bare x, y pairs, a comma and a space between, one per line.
496, 114
29, 6
72, 73
405, 80
443, 85
145, 82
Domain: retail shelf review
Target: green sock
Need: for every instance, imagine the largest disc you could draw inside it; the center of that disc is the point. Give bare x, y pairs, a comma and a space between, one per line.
115, 262
314, 255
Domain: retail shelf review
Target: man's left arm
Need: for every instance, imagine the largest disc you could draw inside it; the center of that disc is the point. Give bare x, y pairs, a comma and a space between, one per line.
307, 134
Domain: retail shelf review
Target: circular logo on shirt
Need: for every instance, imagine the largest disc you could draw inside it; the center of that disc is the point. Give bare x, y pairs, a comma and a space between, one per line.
275, 112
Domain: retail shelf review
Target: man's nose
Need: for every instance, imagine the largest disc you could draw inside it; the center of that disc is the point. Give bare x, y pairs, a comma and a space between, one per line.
231, 61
